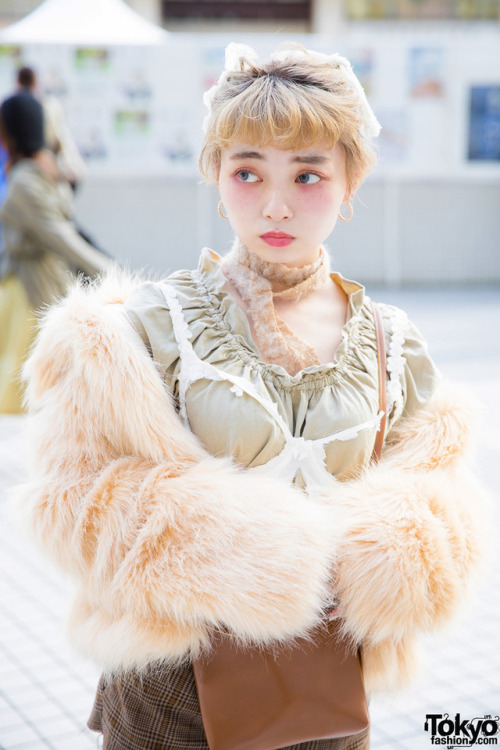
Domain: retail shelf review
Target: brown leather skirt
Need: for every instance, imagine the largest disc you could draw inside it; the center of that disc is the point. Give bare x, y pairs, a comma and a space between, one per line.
160, 711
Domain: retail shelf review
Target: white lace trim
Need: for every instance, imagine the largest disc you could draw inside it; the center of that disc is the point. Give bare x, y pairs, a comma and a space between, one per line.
193, 368
396, 361
298, 454
309, 457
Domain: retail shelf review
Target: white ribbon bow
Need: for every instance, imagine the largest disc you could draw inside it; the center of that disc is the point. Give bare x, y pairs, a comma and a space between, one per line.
236, 59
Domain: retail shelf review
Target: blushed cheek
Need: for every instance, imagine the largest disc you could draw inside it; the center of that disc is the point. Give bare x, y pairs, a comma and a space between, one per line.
320, 202
321, 210
239, 197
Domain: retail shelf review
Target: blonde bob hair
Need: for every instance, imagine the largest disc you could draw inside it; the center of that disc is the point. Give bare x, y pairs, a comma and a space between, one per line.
292, 101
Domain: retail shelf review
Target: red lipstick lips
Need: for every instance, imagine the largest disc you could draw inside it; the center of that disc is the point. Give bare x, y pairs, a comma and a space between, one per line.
277, 239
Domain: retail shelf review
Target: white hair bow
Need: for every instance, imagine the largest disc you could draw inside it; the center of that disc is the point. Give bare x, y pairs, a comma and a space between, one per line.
235, 61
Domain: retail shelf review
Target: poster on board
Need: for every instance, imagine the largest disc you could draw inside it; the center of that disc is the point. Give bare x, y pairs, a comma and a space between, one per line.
426, 72
484, 123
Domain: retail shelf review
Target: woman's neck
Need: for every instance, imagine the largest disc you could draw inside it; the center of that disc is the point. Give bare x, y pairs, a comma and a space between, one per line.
260, 285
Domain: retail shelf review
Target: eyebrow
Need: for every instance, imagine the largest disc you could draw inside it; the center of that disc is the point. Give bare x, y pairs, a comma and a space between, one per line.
307, 159
310, 159
247, 155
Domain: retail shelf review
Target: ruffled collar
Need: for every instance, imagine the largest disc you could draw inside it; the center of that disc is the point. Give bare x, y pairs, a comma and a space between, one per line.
214, 281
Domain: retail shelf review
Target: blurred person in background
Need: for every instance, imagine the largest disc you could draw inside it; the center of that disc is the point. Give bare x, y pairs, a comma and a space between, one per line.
42, 249
219, 429
57, 134
3, 187
3, 175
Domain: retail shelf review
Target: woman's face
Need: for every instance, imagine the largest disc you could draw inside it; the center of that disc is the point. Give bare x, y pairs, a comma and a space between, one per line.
282, 203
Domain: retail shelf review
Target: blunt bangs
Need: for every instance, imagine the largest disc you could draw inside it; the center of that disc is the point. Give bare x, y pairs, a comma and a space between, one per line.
274, 112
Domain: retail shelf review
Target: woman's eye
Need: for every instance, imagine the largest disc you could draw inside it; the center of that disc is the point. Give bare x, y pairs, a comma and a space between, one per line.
245, 176
308, 178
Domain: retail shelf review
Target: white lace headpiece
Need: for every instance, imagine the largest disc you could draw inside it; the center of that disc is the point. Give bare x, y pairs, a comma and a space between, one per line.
238, 54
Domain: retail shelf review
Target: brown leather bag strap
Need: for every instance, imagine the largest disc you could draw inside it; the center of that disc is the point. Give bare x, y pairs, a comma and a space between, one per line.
382, 382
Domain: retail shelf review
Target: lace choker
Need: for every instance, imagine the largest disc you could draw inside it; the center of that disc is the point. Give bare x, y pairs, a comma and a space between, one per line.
253, 279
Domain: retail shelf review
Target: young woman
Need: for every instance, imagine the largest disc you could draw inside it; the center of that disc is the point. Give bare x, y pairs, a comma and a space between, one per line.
203, 443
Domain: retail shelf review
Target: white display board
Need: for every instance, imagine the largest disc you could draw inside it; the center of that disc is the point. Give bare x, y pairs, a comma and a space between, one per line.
138, 109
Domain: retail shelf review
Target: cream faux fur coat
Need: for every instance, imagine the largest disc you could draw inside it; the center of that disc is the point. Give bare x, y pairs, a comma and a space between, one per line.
166, 542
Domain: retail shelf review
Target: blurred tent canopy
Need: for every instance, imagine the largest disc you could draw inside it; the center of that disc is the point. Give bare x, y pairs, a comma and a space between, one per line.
84, 22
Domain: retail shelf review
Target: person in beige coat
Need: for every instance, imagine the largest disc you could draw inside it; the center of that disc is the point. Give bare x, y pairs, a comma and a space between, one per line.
42, 249
57, 135
202, 444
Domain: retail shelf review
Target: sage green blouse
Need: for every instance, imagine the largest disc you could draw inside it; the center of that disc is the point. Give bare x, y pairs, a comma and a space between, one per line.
308, 427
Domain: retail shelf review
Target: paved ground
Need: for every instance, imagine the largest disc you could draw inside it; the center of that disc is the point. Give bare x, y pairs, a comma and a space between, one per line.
46, 692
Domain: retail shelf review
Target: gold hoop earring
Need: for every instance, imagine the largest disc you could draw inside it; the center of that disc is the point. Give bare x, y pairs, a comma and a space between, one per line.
351, 213
219, 209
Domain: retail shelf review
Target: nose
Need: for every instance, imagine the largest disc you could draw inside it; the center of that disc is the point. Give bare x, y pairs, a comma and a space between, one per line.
277, 207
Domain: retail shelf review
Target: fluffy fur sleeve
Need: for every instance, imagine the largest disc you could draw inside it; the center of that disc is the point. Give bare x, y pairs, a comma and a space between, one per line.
165, 541
415, 537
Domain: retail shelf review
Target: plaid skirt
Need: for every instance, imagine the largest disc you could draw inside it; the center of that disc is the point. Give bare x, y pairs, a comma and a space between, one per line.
160, 711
